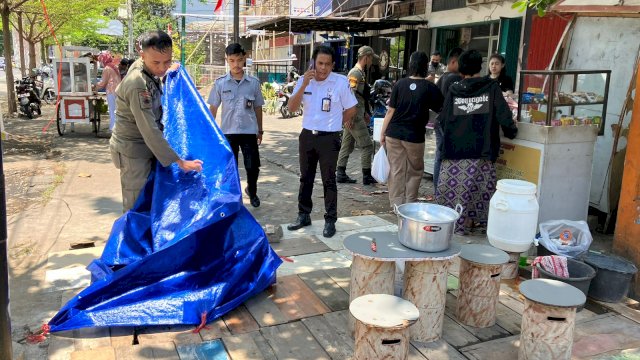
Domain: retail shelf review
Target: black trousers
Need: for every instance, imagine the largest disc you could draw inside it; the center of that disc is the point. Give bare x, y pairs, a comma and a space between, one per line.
248, 143
322, 148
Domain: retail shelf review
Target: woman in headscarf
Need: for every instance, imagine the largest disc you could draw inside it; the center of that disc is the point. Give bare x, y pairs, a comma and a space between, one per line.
110, 80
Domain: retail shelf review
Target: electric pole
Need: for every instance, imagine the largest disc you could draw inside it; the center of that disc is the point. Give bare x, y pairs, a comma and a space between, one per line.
236, 21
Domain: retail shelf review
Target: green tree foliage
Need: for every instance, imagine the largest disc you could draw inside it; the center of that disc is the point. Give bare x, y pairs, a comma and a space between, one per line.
70, 19
540, 5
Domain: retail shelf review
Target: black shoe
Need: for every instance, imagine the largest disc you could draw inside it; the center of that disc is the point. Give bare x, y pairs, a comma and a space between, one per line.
254, 200
329, 229
302, 221
367, 179
342, 177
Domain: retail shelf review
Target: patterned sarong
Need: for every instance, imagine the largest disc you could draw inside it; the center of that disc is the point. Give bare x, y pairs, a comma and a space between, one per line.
470, 183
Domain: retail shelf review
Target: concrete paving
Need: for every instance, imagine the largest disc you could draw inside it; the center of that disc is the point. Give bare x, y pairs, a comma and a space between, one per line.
72, 194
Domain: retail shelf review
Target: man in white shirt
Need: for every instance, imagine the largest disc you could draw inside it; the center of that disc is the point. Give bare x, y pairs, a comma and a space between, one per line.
328, 104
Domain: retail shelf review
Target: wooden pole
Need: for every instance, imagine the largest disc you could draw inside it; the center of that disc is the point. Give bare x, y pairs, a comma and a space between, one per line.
627, 232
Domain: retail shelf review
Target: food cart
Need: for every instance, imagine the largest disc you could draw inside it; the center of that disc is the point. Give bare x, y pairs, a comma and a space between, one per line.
74, 73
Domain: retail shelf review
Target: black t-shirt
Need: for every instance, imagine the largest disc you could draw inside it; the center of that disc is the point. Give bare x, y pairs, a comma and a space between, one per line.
446, 80
412, 99
505, 82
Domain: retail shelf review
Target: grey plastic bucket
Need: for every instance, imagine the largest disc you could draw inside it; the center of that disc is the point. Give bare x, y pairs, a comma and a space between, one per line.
613, 277
580, 275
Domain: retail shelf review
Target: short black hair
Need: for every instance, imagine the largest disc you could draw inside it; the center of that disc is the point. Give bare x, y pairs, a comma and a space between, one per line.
157, 39
454, 54
436, 53
419, 64
324, 49
470, 62
234, 49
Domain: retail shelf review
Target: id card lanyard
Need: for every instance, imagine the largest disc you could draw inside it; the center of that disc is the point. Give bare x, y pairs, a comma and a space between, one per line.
326, 101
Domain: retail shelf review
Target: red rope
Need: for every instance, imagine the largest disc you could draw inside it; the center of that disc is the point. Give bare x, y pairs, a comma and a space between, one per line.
39, 336
53, 34
203, 323
286, 259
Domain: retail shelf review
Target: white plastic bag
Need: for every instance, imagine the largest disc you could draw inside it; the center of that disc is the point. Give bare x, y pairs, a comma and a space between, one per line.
565, 237
380, 168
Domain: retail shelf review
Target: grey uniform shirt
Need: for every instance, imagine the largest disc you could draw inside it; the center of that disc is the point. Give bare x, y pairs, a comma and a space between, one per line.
138, 129
238, 102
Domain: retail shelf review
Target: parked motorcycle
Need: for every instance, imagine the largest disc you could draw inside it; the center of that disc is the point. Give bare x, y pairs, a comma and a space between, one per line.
283, 98
379, 96
28, 100
44, 84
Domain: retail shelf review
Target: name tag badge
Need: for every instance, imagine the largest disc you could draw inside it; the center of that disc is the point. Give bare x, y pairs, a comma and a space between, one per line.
326, 104
249, 104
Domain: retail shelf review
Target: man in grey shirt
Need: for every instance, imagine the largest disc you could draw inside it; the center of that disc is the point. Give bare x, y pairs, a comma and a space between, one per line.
241, 99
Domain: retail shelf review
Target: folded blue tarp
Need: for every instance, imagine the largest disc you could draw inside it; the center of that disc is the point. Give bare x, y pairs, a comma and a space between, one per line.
189, 247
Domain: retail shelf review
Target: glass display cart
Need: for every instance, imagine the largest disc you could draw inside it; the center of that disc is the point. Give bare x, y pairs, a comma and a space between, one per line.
74, 73
561, 113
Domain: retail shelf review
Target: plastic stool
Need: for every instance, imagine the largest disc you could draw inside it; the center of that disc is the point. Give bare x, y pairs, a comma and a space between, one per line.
480, 269
548, 319
382, 326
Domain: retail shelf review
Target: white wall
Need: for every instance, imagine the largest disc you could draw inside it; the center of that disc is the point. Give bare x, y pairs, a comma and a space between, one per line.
473, 14
605, 43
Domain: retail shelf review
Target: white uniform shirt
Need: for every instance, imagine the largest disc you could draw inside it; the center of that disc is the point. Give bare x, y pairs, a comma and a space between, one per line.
335, 87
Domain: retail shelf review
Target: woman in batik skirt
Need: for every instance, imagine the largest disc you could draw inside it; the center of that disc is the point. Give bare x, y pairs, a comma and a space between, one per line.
473, 113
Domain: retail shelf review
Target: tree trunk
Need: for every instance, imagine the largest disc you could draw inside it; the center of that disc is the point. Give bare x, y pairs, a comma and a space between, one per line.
8, 51
32, 55
23, 69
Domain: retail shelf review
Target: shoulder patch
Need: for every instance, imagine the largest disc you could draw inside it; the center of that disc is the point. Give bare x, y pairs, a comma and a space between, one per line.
145, 100
353, 82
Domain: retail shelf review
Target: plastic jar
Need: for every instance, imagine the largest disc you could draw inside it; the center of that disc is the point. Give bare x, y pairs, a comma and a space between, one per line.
513, 215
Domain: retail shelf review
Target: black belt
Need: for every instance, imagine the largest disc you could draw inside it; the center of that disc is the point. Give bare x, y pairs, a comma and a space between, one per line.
321, 133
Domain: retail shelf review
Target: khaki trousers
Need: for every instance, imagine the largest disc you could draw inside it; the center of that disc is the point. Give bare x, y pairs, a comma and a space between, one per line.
406, 160
133, 175
358, 134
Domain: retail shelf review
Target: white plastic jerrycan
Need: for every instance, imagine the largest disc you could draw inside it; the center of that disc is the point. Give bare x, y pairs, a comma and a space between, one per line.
513, 215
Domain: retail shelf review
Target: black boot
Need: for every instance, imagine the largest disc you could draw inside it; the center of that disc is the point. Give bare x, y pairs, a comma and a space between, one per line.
302, 221
329, 229
342, 177
367, 179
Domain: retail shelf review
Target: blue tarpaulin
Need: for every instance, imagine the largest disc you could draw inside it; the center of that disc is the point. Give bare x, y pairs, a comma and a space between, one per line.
188, 247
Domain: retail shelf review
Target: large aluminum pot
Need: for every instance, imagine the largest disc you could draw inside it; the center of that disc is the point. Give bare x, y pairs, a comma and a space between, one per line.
426, 227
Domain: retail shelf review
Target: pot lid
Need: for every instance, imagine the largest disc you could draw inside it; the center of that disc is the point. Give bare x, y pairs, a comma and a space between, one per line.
513, 186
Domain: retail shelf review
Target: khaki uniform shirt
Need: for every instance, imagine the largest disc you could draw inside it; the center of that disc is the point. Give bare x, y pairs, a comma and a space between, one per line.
357, 83
138, 129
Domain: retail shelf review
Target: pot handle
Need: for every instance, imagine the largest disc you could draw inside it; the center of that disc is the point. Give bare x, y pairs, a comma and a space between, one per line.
459, 209
395, 210
502, 205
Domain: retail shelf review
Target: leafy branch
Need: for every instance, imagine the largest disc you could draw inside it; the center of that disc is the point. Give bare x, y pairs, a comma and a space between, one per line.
540, 5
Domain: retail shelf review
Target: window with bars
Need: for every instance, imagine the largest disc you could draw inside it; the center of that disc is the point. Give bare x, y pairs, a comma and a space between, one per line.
442, 5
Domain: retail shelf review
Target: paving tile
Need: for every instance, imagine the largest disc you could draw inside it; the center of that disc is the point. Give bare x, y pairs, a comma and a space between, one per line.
73, 258
66, 278
210, 350
343, 224
102, 353
312, 262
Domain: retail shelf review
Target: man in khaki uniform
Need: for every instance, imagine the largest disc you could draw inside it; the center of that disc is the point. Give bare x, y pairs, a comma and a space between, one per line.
359, 133
137, 139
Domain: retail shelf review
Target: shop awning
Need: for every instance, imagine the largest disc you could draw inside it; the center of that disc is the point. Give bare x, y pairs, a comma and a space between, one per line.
304, 24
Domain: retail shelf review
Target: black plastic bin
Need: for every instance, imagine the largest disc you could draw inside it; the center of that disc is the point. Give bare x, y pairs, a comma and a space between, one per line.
613, 277
580, 275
